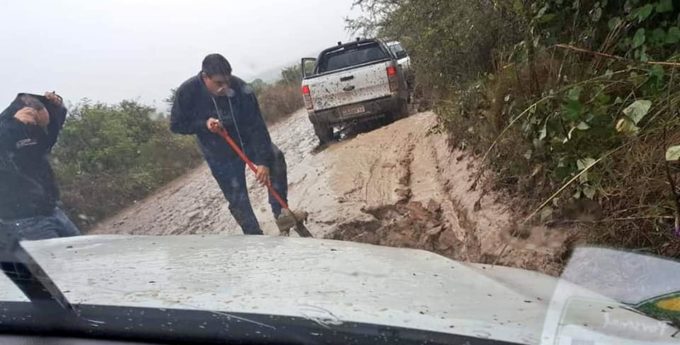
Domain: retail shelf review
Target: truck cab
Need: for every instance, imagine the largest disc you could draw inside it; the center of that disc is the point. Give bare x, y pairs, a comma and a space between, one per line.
353, 82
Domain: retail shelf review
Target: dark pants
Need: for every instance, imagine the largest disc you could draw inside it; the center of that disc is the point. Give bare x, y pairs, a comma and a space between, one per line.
42, 227
231, 177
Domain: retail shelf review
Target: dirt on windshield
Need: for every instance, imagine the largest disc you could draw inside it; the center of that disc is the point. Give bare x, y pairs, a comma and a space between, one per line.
399, 185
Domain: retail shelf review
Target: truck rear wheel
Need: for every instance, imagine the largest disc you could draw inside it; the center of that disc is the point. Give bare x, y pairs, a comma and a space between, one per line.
401, 112
404, 110
324, 132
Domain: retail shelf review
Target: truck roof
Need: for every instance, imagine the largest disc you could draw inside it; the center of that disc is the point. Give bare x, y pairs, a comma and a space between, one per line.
339, 49
350, 44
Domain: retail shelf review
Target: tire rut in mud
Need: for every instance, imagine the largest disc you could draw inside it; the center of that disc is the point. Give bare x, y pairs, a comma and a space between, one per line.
405, 224
409, 225
430, 210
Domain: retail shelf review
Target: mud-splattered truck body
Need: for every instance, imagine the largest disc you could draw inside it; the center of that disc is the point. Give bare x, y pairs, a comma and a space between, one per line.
350, 82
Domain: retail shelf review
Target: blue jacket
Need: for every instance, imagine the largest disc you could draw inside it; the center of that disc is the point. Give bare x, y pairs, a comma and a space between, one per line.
239, 113
27, 184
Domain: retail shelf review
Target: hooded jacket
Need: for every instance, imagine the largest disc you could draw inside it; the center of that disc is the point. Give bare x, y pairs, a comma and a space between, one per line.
239, 113
27, 184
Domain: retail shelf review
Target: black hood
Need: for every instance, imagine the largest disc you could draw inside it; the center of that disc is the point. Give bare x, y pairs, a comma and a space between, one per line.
17, 104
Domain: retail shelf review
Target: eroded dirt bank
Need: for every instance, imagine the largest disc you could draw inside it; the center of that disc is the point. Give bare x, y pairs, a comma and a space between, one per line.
399, 185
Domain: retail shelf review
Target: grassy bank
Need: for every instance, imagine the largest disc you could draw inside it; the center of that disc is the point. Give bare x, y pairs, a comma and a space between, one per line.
571, 105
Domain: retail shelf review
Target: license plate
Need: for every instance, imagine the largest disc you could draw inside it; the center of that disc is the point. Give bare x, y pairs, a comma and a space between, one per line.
353, 110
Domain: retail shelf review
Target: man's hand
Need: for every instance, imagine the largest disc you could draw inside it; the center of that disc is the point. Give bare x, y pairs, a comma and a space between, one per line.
27, 116
262, 175
43, 118
213, 125
54, 98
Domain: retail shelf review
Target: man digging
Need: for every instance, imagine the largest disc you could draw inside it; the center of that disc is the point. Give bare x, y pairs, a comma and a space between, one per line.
214, 100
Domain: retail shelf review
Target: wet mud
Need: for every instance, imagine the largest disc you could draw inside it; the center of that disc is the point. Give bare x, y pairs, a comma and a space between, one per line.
399, 185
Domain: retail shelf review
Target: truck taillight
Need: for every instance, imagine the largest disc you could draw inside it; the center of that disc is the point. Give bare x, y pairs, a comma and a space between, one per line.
307, 96
393, 78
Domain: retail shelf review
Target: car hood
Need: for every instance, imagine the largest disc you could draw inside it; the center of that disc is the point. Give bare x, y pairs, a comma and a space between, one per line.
322, 280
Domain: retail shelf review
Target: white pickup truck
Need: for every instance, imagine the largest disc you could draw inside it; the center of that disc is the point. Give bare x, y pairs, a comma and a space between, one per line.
351, 82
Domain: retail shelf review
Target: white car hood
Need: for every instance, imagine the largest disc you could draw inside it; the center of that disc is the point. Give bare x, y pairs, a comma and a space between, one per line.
327, 281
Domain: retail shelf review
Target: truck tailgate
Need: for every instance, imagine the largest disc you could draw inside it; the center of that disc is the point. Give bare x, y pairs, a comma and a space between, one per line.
349, 86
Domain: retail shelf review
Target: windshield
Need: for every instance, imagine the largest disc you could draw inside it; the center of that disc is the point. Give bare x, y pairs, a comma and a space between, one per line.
348, 171
353, 55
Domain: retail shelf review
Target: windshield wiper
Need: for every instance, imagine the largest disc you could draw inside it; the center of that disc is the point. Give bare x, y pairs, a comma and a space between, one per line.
27, 275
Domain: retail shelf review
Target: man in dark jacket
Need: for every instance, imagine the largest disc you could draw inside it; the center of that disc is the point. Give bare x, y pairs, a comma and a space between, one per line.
215, 99
29, 128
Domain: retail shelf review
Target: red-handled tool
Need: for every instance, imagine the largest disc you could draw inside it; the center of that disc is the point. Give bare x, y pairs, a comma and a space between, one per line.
300, 228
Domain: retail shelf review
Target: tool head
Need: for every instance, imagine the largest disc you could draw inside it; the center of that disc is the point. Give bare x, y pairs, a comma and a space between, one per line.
302, 230
293, 220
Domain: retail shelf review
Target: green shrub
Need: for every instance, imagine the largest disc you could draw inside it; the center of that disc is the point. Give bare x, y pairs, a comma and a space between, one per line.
108, 156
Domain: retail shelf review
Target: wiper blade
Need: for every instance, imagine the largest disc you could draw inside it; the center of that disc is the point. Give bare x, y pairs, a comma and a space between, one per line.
27, 274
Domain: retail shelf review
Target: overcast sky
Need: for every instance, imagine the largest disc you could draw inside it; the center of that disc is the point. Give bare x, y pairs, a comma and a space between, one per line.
110, 50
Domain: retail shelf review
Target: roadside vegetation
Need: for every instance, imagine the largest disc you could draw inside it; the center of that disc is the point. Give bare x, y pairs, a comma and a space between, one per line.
281, 98
572, 106
111, 156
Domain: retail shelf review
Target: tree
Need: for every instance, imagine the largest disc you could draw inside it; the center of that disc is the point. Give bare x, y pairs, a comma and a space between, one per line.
171, 99
450, 42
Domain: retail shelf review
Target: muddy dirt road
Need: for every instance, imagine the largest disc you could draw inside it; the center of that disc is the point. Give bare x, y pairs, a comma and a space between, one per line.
398, 185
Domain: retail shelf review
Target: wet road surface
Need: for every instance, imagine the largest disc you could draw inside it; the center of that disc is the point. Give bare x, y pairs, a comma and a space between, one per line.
399, 185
